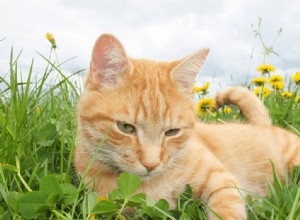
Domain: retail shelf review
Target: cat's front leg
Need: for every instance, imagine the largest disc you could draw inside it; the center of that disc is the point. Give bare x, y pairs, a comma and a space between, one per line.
219, 190
226, 203
215, 184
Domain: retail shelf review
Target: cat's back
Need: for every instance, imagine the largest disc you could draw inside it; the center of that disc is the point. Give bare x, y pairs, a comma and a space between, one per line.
229, 141
222, 136
244, 139
247, 150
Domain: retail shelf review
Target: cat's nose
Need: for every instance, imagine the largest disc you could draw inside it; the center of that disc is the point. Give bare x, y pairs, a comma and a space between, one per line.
150, 165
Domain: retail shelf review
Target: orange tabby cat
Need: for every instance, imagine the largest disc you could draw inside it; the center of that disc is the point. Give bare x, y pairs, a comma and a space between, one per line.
148, 109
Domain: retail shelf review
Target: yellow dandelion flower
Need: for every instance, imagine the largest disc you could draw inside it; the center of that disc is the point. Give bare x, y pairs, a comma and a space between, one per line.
203, 88
262, 91
275, 78
297, 99
101, 198
196, 89
265, 68
278, 85
227, 110
205, 105
51, 39
259, 81
296, 78
286, 94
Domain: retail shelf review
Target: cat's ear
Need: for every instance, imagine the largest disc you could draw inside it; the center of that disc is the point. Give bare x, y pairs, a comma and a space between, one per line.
109, 62
185, 73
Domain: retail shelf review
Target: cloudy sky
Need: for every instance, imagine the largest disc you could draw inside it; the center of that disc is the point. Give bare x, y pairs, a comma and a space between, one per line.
156, 29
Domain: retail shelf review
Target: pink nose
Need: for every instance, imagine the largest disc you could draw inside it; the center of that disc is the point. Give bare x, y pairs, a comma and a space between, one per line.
150, 165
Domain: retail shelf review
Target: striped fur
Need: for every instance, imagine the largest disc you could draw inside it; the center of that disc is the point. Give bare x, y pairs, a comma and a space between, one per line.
154, 97
251, 107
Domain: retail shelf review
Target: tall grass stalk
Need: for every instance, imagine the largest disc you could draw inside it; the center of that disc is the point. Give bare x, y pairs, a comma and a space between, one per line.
36, 126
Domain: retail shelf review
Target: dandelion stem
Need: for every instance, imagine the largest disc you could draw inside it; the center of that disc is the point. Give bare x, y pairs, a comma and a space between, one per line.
20, 176
57, 60
212, 114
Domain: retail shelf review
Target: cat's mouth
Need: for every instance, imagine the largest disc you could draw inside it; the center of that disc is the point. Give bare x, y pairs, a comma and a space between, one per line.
118, 170
143, 173
150, 174
145, 177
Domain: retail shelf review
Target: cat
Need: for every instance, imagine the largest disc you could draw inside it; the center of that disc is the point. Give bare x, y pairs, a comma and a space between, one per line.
145, 112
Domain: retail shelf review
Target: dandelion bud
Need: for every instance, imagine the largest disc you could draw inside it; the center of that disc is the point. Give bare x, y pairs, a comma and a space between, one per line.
51, 39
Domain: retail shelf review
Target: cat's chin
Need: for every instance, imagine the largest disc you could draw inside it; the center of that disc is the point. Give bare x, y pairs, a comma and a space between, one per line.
149, 175
146, 177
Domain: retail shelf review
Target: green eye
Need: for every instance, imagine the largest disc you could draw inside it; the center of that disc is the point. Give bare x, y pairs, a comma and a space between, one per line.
126, 128
172, 132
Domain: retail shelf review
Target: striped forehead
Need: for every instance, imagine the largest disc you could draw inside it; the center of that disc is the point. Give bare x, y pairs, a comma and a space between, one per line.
151, 106
151, 94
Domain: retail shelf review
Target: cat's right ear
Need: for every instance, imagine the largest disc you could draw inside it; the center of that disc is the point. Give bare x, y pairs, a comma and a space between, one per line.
184, 74
109, 62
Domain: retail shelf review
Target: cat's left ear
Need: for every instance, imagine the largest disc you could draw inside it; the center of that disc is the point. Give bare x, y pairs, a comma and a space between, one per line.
109, 62
185, 73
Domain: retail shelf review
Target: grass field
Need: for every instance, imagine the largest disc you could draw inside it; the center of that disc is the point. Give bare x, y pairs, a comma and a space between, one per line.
37, 141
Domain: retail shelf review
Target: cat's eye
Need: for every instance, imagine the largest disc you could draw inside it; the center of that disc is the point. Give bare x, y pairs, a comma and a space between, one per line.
172, 132
126, 128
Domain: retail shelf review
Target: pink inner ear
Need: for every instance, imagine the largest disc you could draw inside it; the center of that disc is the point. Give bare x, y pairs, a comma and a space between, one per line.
109, 61
103, 44
185, 72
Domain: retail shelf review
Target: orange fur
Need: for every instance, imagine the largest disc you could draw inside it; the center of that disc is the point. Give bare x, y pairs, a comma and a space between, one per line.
150, 98
252, 108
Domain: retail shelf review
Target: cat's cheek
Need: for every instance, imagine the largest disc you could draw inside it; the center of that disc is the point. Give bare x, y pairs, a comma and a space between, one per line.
171, 151
177, 143
90, 133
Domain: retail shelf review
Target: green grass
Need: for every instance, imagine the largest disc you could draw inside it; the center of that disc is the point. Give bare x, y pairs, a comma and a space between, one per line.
37, 141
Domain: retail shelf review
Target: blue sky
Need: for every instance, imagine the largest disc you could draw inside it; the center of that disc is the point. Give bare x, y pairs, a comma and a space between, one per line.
161, 30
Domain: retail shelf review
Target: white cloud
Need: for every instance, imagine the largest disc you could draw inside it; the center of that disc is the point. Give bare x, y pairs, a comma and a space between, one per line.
156, 29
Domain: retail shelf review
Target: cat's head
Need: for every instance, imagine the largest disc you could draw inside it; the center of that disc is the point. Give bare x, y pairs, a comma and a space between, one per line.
142, 108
